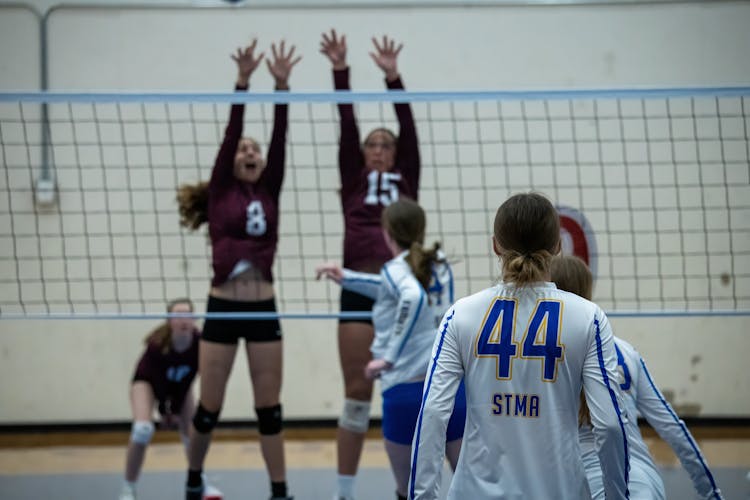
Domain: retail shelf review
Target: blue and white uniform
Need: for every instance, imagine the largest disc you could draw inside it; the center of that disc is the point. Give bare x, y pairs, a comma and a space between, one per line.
405, 317
641, 395
524, 353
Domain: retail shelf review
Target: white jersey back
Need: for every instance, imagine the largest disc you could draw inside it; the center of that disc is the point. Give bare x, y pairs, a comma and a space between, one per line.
641, 396
524, 354
405, 315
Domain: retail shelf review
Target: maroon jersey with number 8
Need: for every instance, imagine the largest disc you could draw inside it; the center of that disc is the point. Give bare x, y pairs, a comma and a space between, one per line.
243, 218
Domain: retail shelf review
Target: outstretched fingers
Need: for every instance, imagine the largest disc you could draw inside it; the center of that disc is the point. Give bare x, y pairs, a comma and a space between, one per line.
387, 46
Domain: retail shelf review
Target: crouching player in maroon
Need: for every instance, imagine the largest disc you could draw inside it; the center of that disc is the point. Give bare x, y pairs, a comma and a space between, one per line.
164, 375
373, 175
240, 204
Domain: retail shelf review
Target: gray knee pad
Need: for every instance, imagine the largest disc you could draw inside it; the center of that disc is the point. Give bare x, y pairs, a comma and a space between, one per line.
142, 431
269, 420
204, 421
355, 416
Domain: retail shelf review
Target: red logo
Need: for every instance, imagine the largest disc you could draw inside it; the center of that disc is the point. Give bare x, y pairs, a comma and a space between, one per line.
577, 236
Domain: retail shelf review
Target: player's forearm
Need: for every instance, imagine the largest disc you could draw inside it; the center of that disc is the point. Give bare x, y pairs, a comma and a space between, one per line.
427, 455
367, 284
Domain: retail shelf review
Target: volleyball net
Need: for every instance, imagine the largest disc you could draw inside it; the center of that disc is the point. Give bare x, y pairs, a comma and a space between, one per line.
653, 188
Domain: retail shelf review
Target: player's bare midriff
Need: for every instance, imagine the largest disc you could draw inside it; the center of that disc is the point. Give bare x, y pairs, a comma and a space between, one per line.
249, 286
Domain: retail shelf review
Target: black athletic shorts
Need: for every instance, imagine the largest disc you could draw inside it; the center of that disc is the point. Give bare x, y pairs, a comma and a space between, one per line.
353, 301
229, 331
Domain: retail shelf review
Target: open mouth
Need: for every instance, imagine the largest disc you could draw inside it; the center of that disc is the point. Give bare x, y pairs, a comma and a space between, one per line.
251, 166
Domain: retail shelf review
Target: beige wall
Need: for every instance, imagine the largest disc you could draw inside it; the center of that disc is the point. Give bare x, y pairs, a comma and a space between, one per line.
59, 371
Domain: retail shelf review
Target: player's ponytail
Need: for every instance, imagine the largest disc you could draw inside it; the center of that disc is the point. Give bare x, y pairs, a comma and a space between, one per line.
420, 261
525, 268
192, 201
404, 221
527, 235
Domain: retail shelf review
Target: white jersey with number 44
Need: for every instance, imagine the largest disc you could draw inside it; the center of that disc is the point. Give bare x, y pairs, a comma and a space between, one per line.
524, 353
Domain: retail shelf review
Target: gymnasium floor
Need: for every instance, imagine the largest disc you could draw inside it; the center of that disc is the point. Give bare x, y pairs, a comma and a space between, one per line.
31, 470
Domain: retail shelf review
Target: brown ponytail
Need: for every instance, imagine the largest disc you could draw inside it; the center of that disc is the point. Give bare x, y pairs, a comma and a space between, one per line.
527, 230
420, 261
405, 222
192, 200
521, 269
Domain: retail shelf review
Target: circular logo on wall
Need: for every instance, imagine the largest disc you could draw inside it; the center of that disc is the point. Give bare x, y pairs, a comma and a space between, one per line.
577, 236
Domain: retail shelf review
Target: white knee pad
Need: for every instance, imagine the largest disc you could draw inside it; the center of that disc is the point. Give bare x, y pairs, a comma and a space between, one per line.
142, 432
355, 416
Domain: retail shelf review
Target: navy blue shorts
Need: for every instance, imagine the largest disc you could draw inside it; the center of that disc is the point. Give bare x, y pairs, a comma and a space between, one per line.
229, 331
401, 405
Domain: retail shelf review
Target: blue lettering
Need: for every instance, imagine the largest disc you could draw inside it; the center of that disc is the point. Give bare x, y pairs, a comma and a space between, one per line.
533, 406
497, 401
521, 405
515, 405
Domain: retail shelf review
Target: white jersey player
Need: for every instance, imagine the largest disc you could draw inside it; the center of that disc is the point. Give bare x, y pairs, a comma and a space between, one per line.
640, 395
411, 293
405, 315
525, 351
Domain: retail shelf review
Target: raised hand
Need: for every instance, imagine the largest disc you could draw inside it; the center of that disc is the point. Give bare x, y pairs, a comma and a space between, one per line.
334, 48
386, 55
329, 270
282, 64
247, 62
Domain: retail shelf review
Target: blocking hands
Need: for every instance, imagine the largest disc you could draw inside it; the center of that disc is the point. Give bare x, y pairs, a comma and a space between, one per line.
385, 55
280, 67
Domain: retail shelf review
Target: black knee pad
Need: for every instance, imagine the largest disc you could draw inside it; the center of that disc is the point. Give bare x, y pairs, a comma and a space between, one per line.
204, 421
269, 420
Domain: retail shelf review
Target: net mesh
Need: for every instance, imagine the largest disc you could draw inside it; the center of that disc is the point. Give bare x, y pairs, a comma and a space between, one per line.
660, 186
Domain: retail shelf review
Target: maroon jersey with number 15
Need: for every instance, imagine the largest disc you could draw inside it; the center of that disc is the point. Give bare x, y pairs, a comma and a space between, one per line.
365, 192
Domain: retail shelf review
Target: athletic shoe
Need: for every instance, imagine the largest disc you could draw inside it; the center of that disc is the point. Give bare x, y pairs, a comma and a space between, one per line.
127, 493
211, 492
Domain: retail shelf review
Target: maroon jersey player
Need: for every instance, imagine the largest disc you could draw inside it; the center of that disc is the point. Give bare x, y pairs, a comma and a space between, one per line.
240, 204
374, 173
163, 378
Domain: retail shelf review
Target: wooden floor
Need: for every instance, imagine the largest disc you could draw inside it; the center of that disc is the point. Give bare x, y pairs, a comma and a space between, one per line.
53, 453
76, 466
